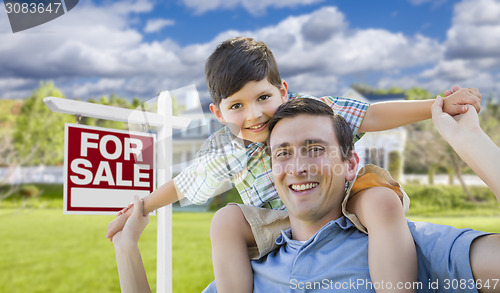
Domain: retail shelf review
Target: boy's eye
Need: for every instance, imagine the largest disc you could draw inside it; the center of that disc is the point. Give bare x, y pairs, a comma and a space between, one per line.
236, 106
264, 97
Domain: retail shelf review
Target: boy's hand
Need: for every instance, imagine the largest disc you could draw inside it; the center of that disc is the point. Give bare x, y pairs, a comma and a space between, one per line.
456, 103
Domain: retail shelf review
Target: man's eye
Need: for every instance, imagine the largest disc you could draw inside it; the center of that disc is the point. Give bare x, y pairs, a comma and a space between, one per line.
315, 150
281, 154
236, 106
264, 97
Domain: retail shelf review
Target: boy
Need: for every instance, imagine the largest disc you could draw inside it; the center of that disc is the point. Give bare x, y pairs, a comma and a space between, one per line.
246, 89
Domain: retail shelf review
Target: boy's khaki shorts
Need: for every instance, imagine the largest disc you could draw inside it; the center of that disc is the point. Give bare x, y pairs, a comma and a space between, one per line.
267, 224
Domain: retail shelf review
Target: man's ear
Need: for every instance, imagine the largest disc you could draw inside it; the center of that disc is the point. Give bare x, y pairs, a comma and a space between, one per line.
284, 91
214, 109
352, 166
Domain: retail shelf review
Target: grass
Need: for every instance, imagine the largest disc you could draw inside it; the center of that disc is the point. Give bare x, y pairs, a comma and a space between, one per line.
46, 251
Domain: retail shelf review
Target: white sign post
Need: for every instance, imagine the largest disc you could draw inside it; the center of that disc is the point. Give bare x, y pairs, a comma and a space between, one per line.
165, 122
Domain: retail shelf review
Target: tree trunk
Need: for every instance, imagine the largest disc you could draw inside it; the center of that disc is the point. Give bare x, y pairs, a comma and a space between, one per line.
430, 173
458, 172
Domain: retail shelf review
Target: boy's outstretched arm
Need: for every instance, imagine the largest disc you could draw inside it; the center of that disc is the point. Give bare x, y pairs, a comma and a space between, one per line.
388, 115
162, 196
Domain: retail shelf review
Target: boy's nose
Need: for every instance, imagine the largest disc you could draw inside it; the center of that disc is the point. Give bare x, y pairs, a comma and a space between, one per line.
254, 113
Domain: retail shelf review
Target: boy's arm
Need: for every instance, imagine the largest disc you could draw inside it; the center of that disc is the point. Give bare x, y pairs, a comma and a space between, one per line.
388, 115
162, 196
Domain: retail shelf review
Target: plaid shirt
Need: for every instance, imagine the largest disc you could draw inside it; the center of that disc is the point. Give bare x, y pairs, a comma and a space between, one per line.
224, 161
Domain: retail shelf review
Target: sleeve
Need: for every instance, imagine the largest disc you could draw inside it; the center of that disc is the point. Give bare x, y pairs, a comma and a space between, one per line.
353, 112
210, 288
443, 256
212, 171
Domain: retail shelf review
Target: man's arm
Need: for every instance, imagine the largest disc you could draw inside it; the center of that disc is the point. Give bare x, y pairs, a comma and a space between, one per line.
388, 115
128, 257
473, 145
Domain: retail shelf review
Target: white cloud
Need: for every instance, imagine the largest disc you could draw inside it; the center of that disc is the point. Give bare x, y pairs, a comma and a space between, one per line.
155, 25
304, 57
472, 52
96, 45
475, 32
94, 50
252, 6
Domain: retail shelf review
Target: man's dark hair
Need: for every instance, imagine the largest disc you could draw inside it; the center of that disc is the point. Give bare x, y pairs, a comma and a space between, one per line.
314, 107
237, 61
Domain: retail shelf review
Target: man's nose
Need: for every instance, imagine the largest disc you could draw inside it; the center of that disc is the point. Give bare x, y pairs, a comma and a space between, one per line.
298, 166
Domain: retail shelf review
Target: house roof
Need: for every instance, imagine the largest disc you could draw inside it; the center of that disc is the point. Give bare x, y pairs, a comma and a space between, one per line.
372, 98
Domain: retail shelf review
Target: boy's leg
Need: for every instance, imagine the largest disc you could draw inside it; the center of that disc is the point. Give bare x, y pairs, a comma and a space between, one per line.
392, 255
231, 236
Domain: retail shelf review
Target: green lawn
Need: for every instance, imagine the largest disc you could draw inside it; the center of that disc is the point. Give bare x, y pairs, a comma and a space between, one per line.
43, 250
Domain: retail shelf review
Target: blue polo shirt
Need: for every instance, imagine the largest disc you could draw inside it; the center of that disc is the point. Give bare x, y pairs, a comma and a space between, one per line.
335, 259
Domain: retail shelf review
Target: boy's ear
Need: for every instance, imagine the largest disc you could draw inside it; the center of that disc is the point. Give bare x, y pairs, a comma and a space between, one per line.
352, 166
284, 91
214, 109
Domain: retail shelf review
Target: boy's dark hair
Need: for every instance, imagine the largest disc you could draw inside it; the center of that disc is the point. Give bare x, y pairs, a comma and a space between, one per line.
237, 61
308, 106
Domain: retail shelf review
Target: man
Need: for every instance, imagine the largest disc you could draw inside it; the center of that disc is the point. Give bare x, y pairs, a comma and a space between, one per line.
323, 251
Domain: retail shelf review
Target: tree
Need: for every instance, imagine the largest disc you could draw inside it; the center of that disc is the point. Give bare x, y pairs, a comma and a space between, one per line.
39, 135
417, 93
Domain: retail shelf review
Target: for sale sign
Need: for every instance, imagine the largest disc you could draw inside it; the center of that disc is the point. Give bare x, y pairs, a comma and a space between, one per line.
105, 168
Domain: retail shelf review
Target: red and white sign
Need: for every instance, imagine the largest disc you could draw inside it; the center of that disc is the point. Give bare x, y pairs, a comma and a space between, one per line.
105, 168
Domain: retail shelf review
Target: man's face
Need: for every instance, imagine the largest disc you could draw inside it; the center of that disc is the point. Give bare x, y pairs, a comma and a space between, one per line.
307, 167
248, 111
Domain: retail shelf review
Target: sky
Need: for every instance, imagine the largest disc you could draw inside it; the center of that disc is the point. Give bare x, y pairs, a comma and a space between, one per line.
137, 48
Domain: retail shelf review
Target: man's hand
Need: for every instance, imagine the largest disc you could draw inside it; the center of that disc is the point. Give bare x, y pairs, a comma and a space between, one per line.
456, 101
117, 224
134, 225
453, 127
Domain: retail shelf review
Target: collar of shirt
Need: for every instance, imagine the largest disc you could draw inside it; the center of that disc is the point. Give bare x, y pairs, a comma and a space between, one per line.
286, 236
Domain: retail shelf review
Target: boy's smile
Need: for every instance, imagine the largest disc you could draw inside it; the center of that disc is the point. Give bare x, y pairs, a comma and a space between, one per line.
248, 111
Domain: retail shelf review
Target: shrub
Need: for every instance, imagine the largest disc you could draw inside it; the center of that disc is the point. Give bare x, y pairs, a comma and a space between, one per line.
30, 191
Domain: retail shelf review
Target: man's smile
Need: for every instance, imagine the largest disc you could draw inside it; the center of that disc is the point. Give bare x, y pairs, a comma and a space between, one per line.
303, 186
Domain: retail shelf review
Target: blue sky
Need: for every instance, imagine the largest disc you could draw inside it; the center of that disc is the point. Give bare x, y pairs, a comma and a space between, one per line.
137, 48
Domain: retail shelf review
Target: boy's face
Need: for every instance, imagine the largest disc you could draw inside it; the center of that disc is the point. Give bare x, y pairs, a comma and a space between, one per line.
248, 111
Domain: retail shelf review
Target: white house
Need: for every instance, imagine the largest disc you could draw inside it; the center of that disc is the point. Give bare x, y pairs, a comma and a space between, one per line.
375, 147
